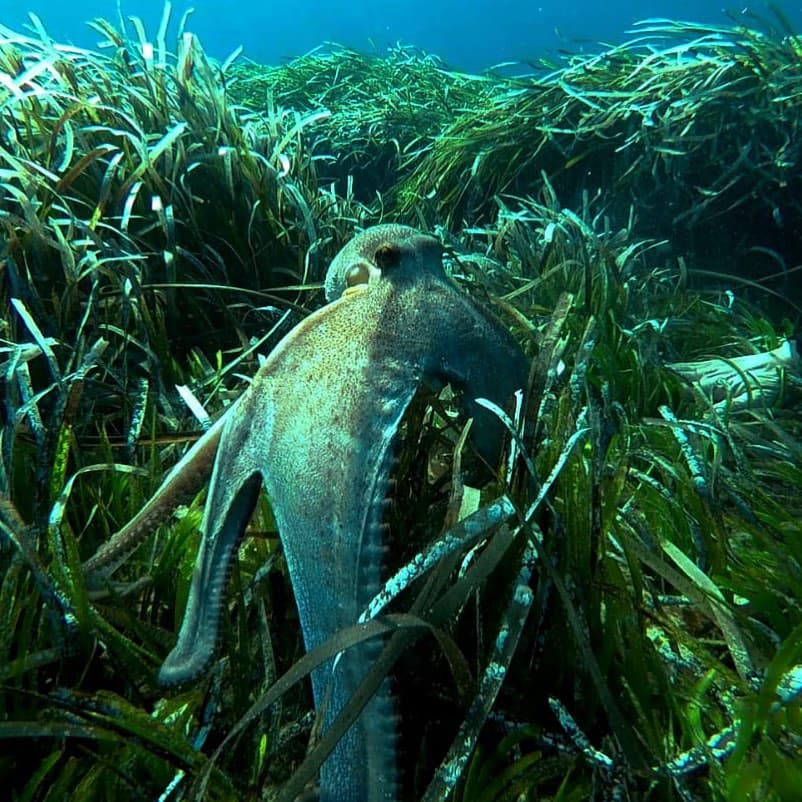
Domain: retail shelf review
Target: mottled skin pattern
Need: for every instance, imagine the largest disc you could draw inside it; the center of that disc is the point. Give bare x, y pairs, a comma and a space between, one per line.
316, 429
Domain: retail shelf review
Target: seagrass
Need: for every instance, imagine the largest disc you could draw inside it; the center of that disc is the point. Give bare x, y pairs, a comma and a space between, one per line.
631, 629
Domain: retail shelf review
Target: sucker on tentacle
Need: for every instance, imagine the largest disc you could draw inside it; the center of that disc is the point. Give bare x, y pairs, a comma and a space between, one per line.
316, 430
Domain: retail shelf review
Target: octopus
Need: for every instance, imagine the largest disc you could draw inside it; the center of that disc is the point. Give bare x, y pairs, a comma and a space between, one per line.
315, 431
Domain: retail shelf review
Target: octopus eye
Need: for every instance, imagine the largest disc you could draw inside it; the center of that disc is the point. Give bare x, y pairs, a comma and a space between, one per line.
358, 274
387, 256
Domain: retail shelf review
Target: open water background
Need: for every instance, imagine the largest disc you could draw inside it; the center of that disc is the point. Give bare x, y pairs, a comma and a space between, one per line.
469, 34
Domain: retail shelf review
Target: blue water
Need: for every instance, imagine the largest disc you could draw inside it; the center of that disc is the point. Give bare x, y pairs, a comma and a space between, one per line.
468, 34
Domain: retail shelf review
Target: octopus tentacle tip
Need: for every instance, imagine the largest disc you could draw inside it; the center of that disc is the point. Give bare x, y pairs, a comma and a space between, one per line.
173, 676
186, 662
175, 672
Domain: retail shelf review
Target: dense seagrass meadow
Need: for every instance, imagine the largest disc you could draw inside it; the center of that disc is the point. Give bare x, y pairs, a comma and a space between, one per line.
634, 632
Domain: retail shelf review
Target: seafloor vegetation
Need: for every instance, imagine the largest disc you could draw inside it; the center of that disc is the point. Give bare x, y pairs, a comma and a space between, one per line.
637, 634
